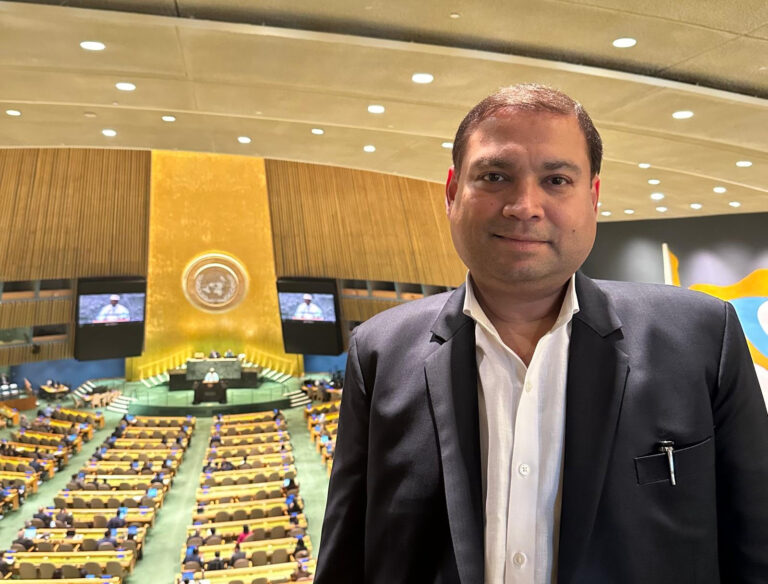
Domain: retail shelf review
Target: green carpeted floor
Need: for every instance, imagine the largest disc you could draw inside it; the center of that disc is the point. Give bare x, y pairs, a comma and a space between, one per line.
161, 561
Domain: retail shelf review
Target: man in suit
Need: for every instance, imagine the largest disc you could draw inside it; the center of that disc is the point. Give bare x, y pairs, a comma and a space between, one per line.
536, 426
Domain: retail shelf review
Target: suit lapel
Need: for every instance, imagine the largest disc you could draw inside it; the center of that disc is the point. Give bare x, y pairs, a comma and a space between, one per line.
597, 374
451, 373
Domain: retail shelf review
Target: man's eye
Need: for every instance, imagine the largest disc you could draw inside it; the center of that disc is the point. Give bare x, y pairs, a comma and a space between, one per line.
493, 177
559, 181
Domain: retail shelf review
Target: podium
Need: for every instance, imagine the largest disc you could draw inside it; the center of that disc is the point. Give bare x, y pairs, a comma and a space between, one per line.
206, 392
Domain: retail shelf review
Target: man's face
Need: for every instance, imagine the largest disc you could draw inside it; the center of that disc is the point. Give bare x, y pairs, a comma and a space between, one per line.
523, 207
113, 302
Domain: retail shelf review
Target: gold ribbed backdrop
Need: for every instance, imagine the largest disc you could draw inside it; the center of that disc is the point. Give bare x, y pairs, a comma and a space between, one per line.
202, 204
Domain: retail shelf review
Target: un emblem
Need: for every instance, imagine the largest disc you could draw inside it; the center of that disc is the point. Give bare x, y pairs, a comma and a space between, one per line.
215, 282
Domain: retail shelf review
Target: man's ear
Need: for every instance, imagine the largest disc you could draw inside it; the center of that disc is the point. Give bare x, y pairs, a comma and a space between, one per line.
451, 185
595, 191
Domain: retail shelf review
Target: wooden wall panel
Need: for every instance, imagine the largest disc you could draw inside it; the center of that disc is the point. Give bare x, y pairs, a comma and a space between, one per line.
41, 312
70, 213
66, 214
343, 223
15, 354
361, 309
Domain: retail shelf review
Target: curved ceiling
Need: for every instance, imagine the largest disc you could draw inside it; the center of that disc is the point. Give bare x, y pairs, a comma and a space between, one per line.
322, 64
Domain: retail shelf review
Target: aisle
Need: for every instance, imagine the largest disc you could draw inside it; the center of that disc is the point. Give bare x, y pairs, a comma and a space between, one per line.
311, 472
161, 561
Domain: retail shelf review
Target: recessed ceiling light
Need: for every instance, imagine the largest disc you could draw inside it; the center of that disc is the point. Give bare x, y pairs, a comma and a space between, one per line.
169, 118
720, 190
661, 209
244, 139
109, 133
89, 114
629, 211
318, 131
653, 181
696, 206
422, 78
93, 46
454, 15
735, 204
657, 196
624, 43
375, 109
683, 115
605, 213
369, 148
447, 144
743, 163
125, 86
14, 113
644, 165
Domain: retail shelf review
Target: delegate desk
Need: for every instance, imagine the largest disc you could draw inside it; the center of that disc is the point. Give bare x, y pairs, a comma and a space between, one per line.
58, 535
134, 515
273, 573
206, 495
148, 444
58, 452
126, 558
248, 547
52, 392
253, 450
244, 509
229, 530
209, 392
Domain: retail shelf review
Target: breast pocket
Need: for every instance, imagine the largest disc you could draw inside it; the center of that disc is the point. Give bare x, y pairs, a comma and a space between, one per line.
688, 460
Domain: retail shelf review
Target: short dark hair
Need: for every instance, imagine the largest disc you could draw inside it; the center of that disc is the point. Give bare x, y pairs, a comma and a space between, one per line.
530, 97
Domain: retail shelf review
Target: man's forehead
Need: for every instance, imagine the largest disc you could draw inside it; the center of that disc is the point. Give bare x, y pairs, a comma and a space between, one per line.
511, 131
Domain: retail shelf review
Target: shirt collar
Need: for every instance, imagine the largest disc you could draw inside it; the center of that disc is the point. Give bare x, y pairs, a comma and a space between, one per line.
474, 311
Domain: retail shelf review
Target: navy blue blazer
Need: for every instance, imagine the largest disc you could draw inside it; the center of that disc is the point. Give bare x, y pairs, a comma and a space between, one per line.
646, 363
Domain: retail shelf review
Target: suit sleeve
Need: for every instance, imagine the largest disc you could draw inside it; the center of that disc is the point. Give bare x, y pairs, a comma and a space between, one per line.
342, 551
741, 441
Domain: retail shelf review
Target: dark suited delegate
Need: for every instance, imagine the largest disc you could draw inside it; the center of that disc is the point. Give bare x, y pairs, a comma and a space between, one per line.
537, 426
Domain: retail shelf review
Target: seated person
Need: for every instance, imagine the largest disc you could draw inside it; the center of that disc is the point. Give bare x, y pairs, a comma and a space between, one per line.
64, 517
195, 534
300, 551
236, 555
116, 521
22, 540
42, 516
216, 563
211, 535
107, 539
214, 354
245, 533
300, 573
193, 556
229, 354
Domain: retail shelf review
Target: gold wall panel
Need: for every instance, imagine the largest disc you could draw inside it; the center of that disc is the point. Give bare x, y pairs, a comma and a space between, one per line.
353, 224
208, 204
36, 312
70, 213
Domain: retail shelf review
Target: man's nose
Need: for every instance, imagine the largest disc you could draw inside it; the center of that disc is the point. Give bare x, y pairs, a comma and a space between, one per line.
523, 200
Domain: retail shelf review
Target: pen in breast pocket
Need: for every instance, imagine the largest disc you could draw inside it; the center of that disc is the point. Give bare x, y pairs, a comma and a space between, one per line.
668, 447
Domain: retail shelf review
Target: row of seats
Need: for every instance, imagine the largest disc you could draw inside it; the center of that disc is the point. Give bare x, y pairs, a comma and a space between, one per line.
248, 526
99, 521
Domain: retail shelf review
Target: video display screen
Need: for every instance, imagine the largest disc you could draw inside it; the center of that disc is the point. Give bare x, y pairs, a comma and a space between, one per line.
307, 306
309, 312
110, 308
110, 317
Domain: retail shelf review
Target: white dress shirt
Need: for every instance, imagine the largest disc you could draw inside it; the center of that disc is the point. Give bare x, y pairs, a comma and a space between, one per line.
522, 424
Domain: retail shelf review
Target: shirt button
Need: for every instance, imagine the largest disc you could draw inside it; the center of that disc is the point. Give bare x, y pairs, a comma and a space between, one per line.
524, 469
528, 386
519, 559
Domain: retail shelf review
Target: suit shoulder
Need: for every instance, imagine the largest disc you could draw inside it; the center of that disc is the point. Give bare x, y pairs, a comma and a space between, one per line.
645, 297
407, 319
